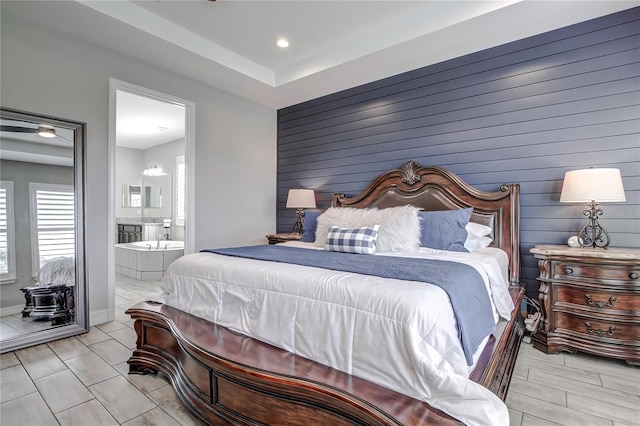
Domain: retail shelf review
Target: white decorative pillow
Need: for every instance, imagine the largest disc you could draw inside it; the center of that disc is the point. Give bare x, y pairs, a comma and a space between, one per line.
477, 230
353, 240
399, 226
477, 236
475, 244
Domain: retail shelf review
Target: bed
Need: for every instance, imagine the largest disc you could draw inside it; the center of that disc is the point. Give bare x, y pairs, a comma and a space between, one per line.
225, 372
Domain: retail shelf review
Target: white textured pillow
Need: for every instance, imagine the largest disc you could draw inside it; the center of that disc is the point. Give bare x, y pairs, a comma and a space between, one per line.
399, 226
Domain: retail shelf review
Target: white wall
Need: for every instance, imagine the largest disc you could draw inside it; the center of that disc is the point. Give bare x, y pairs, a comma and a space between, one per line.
235, 148
129, 166
164, 156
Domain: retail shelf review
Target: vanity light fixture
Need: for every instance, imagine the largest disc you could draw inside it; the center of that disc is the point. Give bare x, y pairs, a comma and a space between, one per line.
592, 186
282, 43
153, 171
46, 132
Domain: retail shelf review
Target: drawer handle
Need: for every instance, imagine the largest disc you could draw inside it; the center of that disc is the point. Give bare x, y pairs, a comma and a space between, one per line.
600, 333
568, 271
600, 304
633, 275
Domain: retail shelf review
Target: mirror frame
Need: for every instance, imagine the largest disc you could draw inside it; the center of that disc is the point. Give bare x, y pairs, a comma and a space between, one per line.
81, 291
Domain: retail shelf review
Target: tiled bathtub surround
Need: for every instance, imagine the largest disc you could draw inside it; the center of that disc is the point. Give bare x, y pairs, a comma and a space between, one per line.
143, 261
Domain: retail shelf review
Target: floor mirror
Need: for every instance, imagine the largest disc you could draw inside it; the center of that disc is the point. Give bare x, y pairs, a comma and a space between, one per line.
43, 290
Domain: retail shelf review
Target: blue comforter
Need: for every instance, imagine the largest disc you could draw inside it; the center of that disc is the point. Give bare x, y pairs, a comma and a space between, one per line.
462, 283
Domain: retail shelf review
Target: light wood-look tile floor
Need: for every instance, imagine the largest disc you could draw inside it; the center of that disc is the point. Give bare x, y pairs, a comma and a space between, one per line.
573, 389
84, 380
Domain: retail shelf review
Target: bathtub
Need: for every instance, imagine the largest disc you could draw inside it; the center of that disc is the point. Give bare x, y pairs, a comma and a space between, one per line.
154, 245
143, 261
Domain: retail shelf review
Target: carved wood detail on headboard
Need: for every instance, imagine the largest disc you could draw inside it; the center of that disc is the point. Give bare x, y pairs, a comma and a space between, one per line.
435, 188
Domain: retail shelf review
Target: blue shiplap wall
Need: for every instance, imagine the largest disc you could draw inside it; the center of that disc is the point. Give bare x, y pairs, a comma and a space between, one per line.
524, 112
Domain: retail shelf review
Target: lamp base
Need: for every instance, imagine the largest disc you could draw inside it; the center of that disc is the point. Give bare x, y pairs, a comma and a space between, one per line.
297, 227
592, 234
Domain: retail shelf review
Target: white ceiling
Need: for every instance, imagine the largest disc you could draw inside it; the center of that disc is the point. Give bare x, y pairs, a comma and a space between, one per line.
335, 45
143, 122
322, 34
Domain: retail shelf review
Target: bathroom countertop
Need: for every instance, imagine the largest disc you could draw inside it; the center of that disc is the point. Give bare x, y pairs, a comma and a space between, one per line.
121, 222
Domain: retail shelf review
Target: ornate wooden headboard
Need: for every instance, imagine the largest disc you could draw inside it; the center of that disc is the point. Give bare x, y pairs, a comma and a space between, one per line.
435, 188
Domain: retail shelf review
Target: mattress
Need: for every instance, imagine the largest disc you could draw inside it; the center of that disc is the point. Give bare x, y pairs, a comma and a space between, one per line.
337, 318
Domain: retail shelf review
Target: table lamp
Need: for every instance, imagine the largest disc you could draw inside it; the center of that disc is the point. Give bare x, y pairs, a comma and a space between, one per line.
592, 186
300, 199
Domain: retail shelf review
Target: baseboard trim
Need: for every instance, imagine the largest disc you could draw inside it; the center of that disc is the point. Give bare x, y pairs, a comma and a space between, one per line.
98, 317
11, 310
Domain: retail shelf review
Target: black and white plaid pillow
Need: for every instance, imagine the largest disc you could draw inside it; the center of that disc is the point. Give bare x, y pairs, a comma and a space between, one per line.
352, 240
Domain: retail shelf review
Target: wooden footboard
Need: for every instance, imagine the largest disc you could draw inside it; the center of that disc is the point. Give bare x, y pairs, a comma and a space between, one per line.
223, 377
500, 355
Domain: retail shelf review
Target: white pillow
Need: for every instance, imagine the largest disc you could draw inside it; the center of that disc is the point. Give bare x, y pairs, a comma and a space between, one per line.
477, 238
399, 226
477, 230
475, 244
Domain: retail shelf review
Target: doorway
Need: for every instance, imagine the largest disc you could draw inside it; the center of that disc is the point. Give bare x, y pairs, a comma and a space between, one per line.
151, 139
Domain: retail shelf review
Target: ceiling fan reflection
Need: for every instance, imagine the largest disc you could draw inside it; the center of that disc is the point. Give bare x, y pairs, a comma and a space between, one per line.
44, 131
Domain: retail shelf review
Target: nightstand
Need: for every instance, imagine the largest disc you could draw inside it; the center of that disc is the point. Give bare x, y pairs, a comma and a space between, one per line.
281, 238
590, 301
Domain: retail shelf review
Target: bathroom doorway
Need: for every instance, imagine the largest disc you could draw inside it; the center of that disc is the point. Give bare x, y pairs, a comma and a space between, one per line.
150, 150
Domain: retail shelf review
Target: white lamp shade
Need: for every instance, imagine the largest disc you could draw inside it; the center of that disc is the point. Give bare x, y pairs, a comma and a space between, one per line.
301, 199
584, 186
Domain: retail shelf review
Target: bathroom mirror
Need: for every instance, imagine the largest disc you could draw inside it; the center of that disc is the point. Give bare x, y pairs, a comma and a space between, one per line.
133, 196
152, 197
43, 293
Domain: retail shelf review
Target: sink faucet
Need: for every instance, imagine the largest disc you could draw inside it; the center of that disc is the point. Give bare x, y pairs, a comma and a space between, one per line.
160, 237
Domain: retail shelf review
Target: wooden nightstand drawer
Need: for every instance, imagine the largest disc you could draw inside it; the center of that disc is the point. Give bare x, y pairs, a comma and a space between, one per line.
613, 302
589, 301
598, 329
572, 270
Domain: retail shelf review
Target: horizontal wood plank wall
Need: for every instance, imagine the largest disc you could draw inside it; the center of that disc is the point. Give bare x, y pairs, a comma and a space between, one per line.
523, 112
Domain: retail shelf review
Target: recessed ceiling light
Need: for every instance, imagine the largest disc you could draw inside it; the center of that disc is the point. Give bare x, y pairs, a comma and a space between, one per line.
282, 43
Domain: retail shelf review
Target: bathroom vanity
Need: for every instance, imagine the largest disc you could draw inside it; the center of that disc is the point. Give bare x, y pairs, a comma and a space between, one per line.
138, 231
